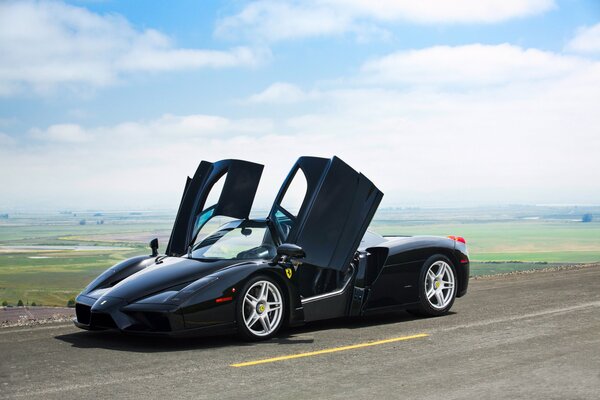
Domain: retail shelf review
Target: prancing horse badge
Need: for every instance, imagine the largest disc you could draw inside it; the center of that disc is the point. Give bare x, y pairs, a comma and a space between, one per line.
288, 273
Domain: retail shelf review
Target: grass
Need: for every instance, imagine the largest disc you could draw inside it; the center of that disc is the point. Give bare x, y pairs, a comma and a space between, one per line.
52, 277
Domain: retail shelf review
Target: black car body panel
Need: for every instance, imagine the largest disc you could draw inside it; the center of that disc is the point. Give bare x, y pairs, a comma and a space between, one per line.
396, 267
347, 271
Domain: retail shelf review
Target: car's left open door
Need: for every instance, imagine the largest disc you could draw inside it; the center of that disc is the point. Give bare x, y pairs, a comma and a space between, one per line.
337, 208
240, 181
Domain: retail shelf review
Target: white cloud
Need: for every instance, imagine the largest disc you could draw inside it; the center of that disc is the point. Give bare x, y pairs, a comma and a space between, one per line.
279, 20
61, 133
282, 93
587, 40
6, 140
455, 11
496, 138
44, 44
6, 122
270, 20
159, 59
474, 64
129, 164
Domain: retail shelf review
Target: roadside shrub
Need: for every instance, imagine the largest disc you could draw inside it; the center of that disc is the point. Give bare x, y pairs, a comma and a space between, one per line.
33, 304
4, 303
587, 218
20, 303
71, 302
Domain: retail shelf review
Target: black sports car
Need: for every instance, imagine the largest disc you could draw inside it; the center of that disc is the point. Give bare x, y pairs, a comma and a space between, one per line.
255, 276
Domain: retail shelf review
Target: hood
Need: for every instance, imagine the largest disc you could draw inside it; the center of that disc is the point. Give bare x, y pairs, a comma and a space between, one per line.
167, 273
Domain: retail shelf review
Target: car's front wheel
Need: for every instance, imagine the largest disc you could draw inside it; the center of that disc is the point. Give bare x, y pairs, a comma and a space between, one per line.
437, 287
260, 309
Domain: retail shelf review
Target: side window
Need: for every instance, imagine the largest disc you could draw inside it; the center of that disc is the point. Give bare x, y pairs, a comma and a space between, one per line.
215, 192
295, 193
290, 204
204, 216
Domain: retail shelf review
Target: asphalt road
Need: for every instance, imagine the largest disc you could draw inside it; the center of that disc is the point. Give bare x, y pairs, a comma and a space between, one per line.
534, 336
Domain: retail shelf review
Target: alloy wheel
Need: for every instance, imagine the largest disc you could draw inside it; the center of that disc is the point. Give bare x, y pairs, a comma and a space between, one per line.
263, 308
439, 285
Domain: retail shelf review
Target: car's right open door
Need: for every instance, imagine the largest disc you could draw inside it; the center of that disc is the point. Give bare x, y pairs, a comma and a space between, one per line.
336, 210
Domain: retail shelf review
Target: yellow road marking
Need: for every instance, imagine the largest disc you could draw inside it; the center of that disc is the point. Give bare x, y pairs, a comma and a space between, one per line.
327, 351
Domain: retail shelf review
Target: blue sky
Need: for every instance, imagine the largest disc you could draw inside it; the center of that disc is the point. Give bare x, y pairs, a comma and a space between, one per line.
439, 102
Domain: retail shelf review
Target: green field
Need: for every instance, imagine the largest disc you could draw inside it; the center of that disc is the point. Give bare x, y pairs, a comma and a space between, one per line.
529, 240
499, 241
52, 277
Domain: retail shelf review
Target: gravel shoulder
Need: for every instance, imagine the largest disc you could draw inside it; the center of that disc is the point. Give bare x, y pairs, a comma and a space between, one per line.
31, 316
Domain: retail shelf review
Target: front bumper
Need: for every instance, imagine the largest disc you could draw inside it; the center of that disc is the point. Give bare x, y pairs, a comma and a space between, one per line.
139, 319
212, 330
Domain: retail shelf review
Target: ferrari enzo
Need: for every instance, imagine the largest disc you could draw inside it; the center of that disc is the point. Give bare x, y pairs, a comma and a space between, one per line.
256, 276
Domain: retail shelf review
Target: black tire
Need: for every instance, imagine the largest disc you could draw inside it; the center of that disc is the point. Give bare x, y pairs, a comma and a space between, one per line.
425, 307
243, 331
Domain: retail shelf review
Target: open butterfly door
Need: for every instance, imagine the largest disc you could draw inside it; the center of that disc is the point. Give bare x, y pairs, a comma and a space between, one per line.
239, 183
334, 215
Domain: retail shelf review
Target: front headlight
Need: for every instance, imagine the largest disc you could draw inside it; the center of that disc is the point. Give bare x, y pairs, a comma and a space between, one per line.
192, 288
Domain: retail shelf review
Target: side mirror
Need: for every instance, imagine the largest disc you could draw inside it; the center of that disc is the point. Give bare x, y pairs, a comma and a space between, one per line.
291, 251
154, 247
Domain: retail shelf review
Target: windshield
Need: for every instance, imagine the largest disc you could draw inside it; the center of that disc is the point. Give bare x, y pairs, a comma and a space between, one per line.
236, 243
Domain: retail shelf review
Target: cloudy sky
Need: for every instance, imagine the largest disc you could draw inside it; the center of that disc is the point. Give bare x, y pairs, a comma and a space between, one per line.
107, 104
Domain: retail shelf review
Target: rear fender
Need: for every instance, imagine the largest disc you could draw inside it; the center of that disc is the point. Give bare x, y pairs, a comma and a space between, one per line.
461, 264
396, 283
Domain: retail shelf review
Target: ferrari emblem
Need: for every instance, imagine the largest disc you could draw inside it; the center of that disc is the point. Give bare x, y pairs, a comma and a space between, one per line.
288, 273
437, 284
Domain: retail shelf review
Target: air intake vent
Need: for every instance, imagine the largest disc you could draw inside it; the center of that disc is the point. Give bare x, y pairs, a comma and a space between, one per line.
102, 320
83, 313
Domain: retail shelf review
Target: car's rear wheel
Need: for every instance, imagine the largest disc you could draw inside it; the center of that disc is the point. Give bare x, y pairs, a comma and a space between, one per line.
437, 287
260, 309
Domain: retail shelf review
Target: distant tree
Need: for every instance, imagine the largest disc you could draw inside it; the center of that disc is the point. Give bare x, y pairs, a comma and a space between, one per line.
33, 304
71, 302
20, 303
82, 222
4, 303
587, 218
